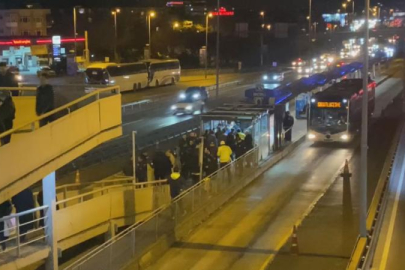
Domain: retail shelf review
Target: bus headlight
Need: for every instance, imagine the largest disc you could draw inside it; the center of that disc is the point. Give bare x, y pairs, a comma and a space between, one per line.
174, 107
311, 136
189, 108
344, 137
265, 77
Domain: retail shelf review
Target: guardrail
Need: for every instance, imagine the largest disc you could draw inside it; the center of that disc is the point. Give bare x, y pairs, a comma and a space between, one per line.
65, 109
20, 234
99, 189
363, 252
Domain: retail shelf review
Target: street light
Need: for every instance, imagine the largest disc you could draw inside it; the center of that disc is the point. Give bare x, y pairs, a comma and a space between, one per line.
344, 5
114, 13
209, 15
352, 1
310, 19
75, 25
151, 14
176, 25
261, 37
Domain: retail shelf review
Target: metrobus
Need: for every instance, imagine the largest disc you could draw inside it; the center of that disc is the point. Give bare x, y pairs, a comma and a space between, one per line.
163, 72
133, 76
335, 113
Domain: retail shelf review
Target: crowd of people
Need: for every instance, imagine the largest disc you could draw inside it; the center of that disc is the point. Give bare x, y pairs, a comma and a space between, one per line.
181, 166
44, 101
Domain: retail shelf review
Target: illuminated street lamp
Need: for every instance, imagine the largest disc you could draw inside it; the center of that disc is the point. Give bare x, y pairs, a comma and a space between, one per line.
114, 13
207, 17
344, 5
151, 14
176, 25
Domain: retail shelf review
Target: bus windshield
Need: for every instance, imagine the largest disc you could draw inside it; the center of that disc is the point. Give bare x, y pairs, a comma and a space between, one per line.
96, 75
328, 120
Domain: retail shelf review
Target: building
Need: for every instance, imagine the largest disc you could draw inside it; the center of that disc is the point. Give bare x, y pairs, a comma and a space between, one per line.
24, 22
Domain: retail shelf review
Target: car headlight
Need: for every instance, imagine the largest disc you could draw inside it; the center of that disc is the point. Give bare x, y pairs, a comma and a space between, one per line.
196, 96
19, 77
299, 70
344, 137
174, 107
275, 77
294, 63
112, 81
311, 136
189, 108
182, 96
265, 77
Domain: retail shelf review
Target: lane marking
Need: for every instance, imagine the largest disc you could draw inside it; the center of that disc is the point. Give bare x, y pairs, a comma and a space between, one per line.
133, 122
394, 212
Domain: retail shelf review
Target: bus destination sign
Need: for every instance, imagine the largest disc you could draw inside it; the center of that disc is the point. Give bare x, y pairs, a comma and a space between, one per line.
329, 105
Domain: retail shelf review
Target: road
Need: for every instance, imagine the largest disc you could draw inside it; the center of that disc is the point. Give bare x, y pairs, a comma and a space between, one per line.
253, 226
151, 122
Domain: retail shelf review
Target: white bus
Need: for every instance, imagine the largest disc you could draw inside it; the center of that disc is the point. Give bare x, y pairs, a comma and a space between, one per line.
163, 72
133, 76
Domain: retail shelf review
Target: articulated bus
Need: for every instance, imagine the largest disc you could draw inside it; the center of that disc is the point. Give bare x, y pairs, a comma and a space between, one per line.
335, 113
134, 76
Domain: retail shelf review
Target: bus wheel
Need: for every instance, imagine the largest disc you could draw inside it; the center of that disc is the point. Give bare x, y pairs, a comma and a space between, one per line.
157, 83
173, 81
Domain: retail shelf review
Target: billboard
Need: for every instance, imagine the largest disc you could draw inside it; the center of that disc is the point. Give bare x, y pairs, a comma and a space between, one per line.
337, 18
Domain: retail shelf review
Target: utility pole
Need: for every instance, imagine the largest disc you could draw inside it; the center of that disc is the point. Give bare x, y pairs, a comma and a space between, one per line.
364, 130
310, 20
74, 29
261, 37
217, 58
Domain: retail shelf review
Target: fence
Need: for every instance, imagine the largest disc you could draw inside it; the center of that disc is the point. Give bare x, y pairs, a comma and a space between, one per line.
24, 229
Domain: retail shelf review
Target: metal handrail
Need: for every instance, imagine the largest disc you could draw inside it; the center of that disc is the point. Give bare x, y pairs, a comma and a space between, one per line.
106, 190
62, 108
23, 213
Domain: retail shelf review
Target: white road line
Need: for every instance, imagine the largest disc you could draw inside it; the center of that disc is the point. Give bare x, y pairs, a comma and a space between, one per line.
387, 243
133, 122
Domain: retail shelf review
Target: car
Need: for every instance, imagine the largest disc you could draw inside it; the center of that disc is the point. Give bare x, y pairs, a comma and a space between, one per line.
192, 100
273, 76
298, 63
47, 71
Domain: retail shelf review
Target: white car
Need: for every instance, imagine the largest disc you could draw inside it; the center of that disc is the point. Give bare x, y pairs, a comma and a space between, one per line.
191, 101
46, 71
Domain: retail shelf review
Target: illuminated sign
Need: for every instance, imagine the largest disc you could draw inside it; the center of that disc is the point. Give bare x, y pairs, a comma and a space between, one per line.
174, 3
56, 40
21, 42
223, 12
329, 105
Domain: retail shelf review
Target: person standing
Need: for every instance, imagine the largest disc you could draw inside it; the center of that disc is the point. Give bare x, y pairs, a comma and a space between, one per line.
45, 101
210, 163
162, 166
24, 201
5, 210
7, 79
175, 182
7, 115
288, 123
142, 169
224, 154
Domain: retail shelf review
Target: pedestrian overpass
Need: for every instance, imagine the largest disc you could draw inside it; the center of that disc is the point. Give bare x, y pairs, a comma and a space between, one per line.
35, 153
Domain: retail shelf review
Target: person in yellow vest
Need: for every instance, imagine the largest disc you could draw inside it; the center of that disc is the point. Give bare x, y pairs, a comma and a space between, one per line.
224, 154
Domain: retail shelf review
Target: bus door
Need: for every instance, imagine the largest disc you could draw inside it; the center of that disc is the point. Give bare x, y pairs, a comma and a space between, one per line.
301, 106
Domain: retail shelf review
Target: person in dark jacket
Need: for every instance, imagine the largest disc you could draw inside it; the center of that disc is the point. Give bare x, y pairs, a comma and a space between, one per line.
45, 101
7, 115
142, 169
288, 123
193, 162
248, 142
7, 79
5, 210
162, 166
211, 139
240, 147
230, 141
176, 182
210, 163
24, 201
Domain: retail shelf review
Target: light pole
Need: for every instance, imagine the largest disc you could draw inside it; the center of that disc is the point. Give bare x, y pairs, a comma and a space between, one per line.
217, 56
114, 13
364, 130
310, 19
207, 17
74, 29
151, 14
351, 1
261, 37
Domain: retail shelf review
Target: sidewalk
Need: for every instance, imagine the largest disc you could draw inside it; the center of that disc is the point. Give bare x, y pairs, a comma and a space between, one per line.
328, 234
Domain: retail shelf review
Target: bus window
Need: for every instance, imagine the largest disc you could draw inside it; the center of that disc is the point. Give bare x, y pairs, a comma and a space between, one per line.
96, 75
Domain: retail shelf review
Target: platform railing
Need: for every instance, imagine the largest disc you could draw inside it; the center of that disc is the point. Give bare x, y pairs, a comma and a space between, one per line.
20, 233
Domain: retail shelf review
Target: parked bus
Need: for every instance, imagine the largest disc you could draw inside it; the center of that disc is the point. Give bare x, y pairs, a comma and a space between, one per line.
133, 76
163, 72
335, 113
